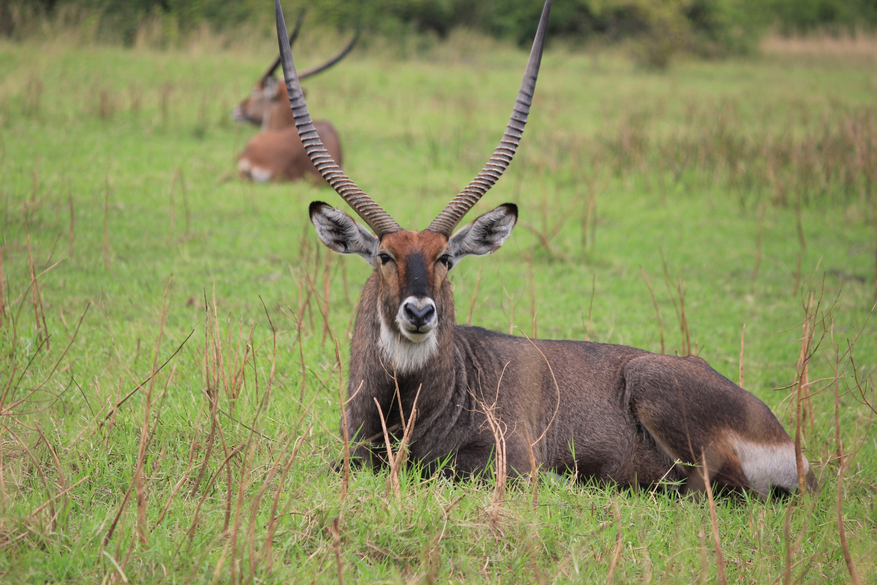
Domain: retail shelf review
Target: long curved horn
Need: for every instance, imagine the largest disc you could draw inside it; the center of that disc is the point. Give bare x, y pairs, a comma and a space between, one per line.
320, 68
371, 213
460, 205
273, 66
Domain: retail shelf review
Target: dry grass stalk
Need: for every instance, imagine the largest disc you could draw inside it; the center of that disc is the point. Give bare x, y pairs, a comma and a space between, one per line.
33, 96
225, 463
178, 180
679, 308
397, 460
231, 543
39, 312
266, 554
62, 493
72, 218
498, 429
589, 217
139, 477
38, 468
758, 233
803, 404
166, 91
532, 297
720, 559
742, 345
61, 479
336, 546
654, 304
211, 391
841, 458
120, 401
534, 469
474, 296
345, 477
301, 354
619, 543
106, 219
106, 105
35, 180
2, 292
327, 266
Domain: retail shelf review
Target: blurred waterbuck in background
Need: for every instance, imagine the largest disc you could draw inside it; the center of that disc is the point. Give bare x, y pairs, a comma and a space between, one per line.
276, 153
481, 398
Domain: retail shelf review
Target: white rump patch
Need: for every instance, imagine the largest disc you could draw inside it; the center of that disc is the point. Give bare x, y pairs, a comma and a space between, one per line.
769, 465
258, 174
405, 355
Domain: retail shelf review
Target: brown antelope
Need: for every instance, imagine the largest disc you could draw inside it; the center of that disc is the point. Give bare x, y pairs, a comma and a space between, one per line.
276, 153
613, 413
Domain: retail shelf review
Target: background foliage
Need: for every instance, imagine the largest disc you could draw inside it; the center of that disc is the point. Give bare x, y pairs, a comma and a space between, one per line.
705, 27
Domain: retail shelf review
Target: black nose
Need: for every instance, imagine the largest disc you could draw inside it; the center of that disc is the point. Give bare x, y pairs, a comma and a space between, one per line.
419, 316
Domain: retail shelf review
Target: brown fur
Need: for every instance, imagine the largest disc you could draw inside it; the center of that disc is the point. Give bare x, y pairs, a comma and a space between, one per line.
271, 113
281, 155
613, 413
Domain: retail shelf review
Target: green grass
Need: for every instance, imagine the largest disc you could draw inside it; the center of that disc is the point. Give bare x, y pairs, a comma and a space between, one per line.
675, 168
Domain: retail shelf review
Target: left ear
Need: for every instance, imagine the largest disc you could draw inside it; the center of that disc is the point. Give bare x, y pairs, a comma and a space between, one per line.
486, 234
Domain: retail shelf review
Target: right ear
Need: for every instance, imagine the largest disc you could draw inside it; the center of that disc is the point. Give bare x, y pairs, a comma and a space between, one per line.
340, 233
270, 88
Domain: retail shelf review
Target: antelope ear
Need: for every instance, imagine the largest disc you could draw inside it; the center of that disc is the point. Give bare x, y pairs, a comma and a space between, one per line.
486, 234
270, 87
340, 233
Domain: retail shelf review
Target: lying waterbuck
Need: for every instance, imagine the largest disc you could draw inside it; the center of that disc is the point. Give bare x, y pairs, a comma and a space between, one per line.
276, 153
613, 413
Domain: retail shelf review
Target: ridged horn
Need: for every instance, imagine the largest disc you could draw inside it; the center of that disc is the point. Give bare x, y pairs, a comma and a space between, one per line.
460, 205
320, 68
274, 64
370, 212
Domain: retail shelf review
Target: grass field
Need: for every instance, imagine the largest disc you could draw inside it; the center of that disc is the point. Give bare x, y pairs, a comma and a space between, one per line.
170, 386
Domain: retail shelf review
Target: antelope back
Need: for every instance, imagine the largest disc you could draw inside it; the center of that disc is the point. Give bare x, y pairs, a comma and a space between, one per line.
278, 155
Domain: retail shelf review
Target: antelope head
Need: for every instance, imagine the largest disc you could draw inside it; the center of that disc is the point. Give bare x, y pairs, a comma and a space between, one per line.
414, 298
269, 93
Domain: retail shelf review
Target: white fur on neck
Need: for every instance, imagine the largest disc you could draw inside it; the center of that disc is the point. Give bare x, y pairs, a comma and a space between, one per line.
404, 355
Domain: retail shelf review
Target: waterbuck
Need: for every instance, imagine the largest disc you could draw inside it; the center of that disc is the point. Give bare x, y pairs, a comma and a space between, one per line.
612, 413
276, 153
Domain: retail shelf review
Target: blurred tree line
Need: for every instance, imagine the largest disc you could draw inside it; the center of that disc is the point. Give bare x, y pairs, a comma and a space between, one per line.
707, 27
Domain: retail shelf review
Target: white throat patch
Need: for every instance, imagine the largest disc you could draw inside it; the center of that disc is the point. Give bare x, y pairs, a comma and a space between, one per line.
404, 355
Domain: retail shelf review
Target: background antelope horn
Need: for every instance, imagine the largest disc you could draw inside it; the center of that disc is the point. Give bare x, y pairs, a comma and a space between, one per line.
273, 66
319, 68
460, 205
370, 212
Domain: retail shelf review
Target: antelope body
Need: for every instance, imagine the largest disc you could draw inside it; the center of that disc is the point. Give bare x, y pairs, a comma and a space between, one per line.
276, 153
608, 412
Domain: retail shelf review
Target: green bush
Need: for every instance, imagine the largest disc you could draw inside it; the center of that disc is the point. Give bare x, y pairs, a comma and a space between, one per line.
656, 28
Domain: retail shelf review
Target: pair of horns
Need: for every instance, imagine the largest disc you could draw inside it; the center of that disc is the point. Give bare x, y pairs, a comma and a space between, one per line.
370, 212
319, 68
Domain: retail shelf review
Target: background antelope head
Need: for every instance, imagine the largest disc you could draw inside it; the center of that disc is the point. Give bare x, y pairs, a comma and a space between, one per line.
268, 103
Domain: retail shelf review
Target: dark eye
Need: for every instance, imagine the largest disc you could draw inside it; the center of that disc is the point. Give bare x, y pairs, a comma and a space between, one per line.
384, 258
446, 260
